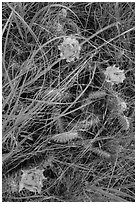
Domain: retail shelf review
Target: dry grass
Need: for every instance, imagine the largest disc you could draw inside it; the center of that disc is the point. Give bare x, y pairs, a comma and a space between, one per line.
65, 117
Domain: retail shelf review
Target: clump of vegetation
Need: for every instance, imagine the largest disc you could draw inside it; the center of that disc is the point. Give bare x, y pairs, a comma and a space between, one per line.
68, 80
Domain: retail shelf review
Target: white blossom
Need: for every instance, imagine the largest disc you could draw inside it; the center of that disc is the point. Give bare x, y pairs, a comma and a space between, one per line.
70, 49
64, 12
122, 105
32, 180
114, 75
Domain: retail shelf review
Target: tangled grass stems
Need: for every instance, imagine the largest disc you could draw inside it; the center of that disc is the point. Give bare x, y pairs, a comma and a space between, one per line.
64, 110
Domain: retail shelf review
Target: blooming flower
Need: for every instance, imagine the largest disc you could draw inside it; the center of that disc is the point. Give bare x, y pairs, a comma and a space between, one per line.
70, 49
64, 12
32, 180
114, 75
121, 104
59, 27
